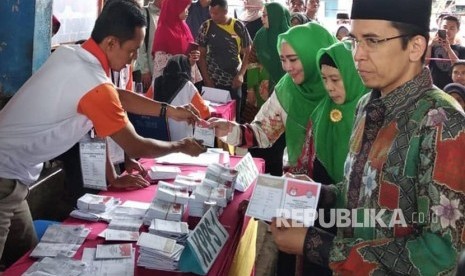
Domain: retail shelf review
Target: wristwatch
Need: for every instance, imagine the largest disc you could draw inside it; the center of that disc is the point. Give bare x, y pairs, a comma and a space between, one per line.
163, 109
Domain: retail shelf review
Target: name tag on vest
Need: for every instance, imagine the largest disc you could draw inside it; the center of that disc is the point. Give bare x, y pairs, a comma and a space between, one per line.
93, 157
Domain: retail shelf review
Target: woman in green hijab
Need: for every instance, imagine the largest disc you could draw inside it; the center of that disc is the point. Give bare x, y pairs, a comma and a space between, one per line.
329, 131
333, 118
296, 95
263, 72
275, 19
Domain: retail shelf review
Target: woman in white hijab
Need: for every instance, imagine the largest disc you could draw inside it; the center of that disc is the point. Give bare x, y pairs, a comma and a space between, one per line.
251, 17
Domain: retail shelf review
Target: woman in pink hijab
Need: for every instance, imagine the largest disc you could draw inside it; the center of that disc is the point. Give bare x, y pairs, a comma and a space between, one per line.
172, 36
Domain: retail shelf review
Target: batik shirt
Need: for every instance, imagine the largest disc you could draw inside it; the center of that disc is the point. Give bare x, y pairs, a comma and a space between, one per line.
406, 163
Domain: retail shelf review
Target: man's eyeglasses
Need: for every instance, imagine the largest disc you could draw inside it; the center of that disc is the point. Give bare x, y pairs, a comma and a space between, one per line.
368, 43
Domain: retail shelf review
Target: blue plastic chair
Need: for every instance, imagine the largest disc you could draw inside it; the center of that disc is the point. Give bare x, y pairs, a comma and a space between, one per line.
41, 225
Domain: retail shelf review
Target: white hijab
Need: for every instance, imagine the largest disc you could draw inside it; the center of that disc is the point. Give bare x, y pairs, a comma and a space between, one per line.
252, 10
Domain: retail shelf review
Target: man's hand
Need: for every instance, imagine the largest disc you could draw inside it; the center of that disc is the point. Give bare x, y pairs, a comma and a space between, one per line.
191, 146
183, 113
237, 81
130, 182
132, 165
222, 127
289, 239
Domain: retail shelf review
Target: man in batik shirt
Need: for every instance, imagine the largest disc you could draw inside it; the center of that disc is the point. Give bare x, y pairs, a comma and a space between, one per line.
406, 161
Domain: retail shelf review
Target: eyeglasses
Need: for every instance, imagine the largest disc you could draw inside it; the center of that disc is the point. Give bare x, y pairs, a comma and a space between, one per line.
368, 43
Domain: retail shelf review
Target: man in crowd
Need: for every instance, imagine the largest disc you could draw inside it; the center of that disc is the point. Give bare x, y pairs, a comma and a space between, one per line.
296, 6
144, 62
222, 40
458, 72
406, 158
445, 50
67, 97
312, 9
198, 13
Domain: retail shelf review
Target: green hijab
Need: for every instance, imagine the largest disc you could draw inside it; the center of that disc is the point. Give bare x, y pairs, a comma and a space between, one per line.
330, 135
266, 39
299, 101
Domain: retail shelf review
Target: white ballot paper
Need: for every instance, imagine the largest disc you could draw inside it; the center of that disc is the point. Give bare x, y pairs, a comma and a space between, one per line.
248, 172
112, 251
284, 197
205, 134
215, 95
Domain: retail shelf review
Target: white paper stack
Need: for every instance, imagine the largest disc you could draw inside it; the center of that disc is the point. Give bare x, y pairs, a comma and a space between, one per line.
172, 193
158, 252
170, 229
164, 210
125, 212
127, 224
196, 208
208, 194
188, 182
199, 208
223, 176
60, 239
119, 235
97, 203
163, 172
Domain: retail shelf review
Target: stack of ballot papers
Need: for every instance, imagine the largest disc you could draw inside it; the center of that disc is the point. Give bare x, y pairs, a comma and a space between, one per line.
170, 229
163, 210
222, 175
96, 203
196, 208
158, 252
60, 239
125, 212
57, 266
163, 172
172, 193
118, 266
188, 182
205, 193
127, 224
119, 235
199, 208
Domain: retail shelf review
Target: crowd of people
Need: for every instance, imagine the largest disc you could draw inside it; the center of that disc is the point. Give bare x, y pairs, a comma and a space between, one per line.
374, 112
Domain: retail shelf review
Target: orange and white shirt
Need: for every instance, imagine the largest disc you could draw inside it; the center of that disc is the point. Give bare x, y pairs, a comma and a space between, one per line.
71, 93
